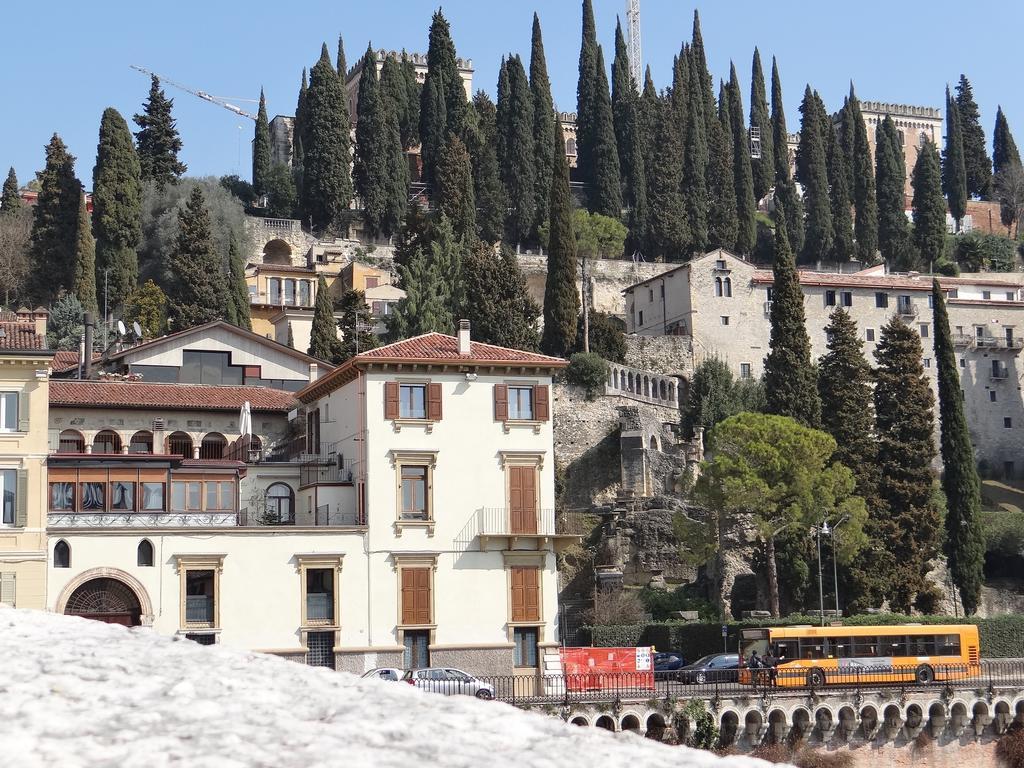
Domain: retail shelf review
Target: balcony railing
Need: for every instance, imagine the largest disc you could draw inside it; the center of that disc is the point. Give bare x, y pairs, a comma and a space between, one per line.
999, 375
503, 522
986, 341
324, 515
148, 519
906, 309
323, 473
279, 300
1014, 344
198, 609
283, 224
319, 608
963, 340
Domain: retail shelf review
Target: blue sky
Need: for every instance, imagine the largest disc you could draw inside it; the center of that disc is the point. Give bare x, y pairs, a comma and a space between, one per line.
66, 61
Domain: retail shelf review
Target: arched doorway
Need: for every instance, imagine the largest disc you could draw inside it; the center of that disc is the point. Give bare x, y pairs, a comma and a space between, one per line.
277, 252
105, 599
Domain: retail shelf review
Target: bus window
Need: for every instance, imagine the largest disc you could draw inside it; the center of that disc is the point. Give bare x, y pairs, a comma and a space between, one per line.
786, 650
922, 645
753, 640
865, 647
895, 645
812, 648
949, 645
840, 647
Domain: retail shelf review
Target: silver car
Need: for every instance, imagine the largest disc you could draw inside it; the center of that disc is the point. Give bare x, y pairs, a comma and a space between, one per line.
385, 673
449, 682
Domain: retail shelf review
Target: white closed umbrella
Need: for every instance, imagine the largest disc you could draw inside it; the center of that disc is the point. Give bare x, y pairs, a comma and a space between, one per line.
245, 419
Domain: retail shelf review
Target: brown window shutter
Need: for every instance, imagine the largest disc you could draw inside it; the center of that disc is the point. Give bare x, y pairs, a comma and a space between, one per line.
531, 590
415, 595
541, 403
422, 595
391, 400
434, 402
518, 594
408, 596
500, 402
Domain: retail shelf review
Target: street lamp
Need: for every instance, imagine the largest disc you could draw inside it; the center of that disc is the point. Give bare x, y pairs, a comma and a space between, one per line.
825, 530
818, 532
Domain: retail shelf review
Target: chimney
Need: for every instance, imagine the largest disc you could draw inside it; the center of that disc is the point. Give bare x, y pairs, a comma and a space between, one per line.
39, 317
464, 338
90, 328
314, 372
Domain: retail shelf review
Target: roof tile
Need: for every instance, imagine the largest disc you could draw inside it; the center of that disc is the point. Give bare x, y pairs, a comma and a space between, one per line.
198, 397
21, 337
438, 346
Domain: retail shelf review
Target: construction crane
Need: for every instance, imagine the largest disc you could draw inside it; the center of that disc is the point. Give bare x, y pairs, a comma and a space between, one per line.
636, 66
220, 101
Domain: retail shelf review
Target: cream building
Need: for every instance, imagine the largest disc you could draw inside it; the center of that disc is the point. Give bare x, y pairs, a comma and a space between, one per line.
723, 303
24, 382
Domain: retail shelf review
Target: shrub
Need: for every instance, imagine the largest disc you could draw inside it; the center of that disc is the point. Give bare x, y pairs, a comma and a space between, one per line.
1010, 747
703, 733
818, 758
587, 370
615, 606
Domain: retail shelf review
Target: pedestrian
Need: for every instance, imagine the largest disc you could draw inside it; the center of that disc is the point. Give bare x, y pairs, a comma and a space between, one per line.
771, 663
755, 660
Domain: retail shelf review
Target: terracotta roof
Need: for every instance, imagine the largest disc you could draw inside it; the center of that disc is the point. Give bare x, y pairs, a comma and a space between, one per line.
20, 337
857, 280
192, 397
65, 360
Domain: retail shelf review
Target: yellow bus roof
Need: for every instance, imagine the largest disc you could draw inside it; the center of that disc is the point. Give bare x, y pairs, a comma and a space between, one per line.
874, 630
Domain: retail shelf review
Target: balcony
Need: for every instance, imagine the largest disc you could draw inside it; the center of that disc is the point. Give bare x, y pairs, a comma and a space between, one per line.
326, 467
198, 609
906, 309
986, 342
999, 374
263, 298
322, 516
963, 340
320, 608
148, 519
506, 526
1010, 344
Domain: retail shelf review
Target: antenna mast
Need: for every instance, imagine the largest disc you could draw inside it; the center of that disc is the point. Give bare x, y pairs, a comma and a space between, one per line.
636, 66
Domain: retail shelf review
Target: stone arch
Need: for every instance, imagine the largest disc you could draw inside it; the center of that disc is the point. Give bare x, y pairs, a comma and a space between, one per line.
277, 251
630, 387
630, 722
1018, 709
106, 441
847, 720
1003, 716
141, 442
662, 390
753, 724
801, 720
116, 574
655, 726
647, 386
937, 718
213, 446
868, 721
606, 722
778, 726
824, 719
914, 716
71, 441
580, 720
729, 727
180, 444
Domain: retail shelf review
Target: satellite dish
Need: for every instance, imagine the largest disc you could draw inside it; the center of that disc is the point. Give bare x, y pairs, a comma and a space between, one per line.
138, 329
121, 330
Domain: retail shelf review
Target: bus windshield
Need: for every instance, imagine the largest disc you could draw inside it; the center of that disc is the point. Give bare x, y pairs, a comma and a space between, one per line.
753, 640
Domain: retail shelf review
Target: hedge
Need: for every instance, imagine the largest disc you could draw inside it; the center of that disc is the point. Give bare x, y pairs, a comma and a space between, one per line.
1001, 636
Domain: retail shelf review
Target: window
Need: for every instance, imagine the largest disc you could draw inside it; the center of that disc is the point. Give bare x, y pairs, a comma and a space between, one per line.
8, 411
274, 289
144, 555
93, 496
718, 286
986, 295
661, 289
153, 497
304, 293
650, 295
62, 497
954, 293
416, 602
725, 319
641, 320
927, 362
1007, 422
959, 330
187, 496
745, 371
520, 403
924, 330
122, 496
412, 401
417, 647
882, 300
199, 597
106, 441
372, 281
525, 585
991, 395
61, 555
8, 495
570, 147
320, 649
141, 442
319, 595
313, 431
289, 292
720, 264
998, 369
201, 638
846, 298
1010, 296
525, 646
830, 298
379, 308
727, 284
414, 492
220, 495
869, 334
963, 362
71, 441
280, 504
904, 305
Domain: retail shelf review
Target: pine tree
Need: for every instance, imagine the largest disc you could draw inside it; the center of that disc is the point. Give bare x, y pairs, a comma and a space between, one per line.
543, 123
746, 206
198, 292
238, 289
157, 139
498, 303
341, 65
488, 191
432, 286
117, 207
380, 171
261, 160
929, 206
954, 171
54, 225
977, 164
84, 283
356, 325
517, 152
10, 201
148, 307
721, 184
812, 173
455, 189
890, 182
669, 232
865, 223
785, 188
965, 543
839, 195
326, 179
789, 376
443, 101
763, 167
904, 424
290, 339
695, 163
561, 300
323, 334
1004, 157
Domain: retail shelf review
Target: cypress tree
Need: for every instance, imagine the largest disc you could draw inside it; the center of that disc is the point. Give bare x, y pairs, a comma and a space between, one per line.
498, 303
488, 191
84, 283
746, 206
839, 195
904, 424
117, 207
954, 172
326, 179
669, 232
393, 89
10, 200
290, 339
695, 163
789, 376
721, 187
410, 126
380, 171
341, 65
561, 299
977, 164
517, 151
198, 291
261, 161
585, 87
543, 123
323, 334
606, 182
785, 188
699, 59
890, 182
157, 139
680, 93
238, 289
865, 223
812, 172
455, 189
54, 226
433, 287
846, 138
763, 167
639, 211
299, 128
929, 206
443, 101
965, 542
355, 324
1004, 156
623, 95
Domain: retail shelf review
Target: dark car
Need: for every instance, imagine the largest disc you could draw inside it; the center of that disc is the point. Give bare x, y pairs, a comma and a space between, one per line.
667, 661
716, 668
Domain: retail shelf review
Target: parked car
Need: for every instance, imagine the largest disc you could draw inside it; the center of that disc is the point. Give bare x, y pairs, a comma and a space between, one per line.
666, 662
714, 668
385, 673
449, 682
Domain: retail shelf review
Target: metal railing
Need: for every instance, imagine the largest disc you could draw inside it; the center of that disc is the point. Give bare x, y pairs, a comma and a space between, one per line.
198, 609
279, 300
963, 340
999, 375
499, 521
319, 608
324, 515
311, 473
906, 309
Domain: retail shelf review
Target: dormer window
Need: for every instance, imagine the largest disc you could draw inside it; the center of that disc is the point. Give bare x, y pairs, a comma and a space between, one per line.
720, 264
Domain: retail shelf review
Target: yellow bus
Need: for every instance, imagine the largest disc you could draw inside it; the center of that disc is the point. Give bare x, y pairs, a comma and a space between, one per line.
839, 655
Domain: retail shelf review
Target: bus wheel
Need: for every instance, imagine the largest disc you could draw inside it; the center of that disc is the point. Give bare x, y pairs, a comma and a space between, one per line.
924, 675
815, 678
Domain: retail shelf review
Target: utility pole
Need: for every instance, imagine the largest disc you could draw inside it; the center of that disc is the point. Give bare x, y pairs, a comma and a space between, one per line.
106, 317
586, 310
636, 67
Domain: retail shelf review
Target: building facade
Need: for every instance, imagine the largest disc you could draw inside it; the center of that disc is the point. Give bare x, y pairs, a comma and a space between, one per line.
723, 303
